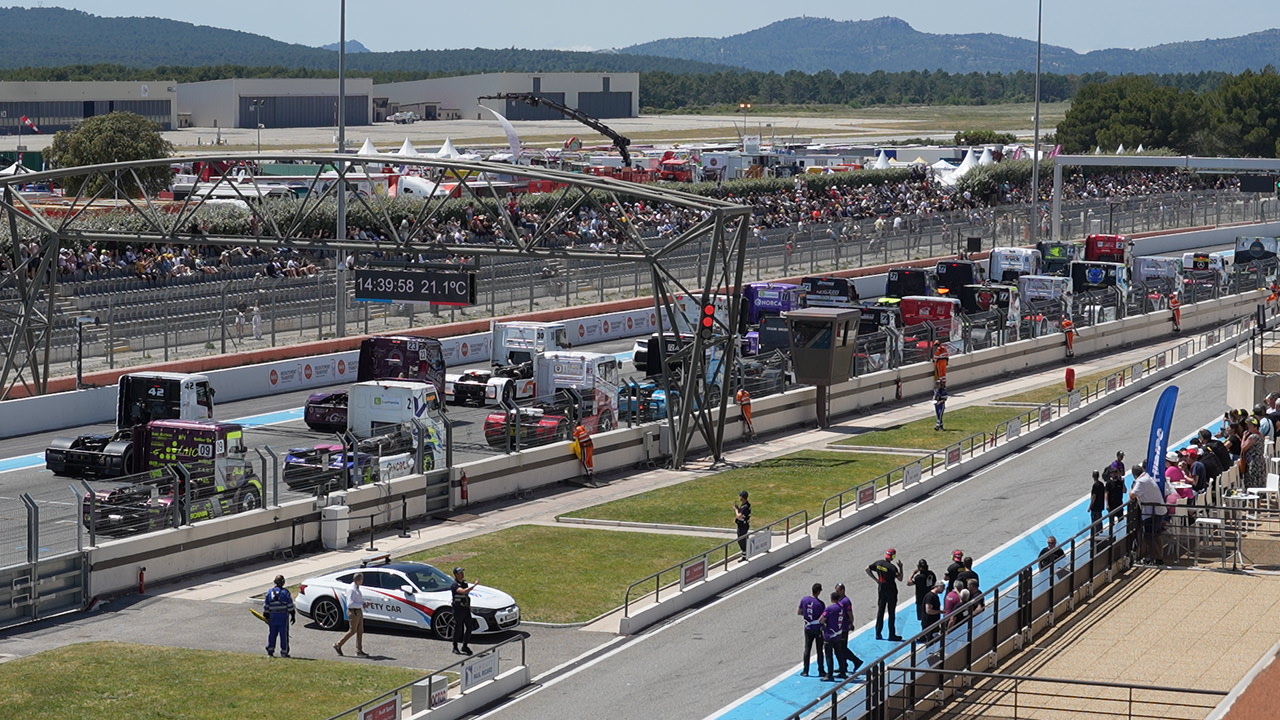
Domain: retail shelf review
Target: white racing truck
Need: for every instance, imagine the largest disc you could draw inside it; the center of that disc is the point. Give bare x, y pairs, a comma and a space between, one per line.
517, 349
381, 417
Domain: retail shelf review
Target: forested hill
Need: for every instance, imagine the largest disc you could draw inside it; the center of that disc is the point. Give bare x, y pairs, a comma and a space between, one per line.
55, 37
813, 44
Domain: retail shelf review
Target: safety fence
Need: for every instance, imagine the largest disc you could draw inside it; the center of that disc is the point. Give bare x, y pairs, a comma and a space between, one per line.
961, 694
202, 318
701, 566
896, 481
437, 689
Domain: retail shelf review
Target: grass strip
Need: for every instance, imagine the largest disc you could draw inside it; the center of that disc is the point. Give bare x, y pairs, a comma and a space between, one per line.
920, 434
597, 564
778, 487
1049, 393
110, 680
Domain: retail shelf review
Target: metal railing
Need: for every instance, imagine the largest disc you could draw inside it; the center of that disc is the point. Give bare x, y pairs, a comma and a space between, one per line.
724, 552
449, 672
1007, 696
899, 479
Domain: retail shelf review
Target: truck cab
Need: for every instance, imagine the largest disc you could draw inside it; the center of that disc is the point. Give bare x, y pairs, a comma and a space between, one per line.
942, 314
951, 275
141, 398
578, 387
517, 349
381, 358
222, 479
907, 281
1207, 268
1007, 264
1157, 278
1056, 257
1107, 248
388, 421
837, 292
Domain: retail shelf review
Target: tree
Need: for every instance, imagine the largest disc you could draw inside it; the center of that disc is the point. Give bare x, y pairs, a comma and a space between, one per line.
111, 138
983, 136
1246, 115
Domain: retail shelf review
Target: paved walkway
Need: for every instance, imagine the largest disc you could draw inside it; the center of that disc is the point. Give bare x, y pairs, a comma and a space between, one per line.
1198, 629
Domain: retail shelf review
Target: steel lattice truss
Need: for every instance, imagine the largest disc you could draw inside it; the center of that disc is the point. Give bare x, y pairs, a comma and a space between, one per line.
27, 295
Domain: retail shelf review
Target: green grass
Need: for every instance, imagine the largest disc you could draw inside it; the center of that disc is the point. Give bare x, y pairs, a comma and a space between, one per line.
564, 574
778, 487
110, 681
1052, 392
920, 434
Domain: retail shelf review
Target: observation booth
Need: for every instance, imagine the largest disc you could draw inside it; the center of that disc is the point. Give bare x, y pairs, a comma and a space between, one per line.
823, 341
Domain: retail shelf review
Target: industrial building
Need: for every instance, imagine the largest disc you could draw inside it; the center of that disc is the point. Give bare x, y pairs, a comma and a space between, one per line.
54, 106
601, 95
274, 102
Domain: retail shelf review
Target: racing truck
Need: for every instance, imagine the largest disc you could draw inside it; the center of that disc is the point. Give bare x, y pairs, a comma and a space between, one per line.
519, 345
390, 424
1007, 264
580, 388
1045, 300
904, 281
952, 275
1107, 248
1057, 256
222, 480
381, 358
1157, 278
141, 399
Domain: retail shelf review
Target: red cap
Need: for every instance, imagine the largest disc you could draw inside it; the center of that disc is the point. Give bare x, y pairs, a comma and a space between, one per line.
890, 553
957, 555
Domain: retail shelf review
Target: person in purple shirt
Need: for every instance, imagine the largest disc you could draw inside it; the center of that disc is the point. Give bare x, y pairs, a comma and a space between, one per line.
811, 608
843, 651
832, 621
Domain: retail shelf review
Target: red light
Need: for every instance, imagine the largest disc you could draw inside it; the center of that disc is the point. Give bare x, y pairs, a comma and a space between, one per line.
708, 322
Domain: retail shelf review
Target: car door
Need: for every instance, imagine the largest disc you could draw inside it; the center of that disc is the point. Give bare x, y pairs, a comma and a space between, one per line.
377, 605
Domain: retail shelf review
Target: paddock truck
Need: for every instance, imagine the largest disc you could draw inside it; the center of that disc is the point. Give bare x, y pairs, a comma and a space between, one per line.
380, 420
142, 398
213, 453
517, 347
591, 377
381, 358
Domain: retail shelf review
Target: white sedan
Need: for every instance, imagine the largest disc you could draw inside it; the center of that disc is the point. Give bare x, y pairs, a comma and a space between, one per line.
404, 593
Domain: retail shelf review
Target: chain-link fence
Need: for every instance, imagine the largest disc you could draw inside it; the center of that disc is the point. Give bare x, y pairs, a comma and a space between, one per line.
132, 321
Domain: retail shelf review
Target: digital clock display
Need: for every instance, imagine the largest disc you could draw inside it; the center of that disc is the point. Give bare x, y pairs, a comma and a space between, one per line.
441, 287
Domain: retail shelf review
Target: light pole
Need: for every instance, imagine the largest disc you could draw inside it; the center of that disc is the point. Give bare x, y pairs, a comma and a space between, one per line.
257, 118
1035, 147
80, 323
341, 289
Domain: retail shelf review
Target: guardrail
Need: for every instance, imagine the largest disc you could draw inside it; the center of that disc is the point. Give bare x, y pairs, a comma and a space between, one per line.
725, 552
456, 669
866, 493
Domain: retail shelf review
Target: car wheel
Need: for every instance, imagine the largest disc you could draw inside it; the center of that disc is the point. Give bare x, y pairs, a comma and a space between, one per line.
442, 624
327, 614
250, 499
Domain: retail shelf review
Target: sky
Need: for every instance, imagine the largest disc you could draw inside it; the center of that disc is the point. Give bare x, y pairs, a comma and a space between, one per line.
386, 25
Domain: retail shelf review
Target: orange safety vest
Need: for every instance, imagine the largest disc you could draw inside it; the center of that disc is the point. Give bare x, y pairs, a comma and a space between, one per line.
743, 397
581, 434
940, 352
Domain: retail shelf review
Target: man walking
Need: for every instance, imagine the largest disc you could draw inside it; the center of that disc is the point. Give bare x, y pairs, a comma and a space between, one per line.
810, 610
886, 573
355, 617
939, 403
278, 607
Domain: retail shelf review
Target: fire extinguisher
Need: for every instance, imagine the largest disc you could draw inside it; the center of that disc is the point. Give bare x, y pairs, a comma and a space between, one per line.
142, 580
897, 388
463, 482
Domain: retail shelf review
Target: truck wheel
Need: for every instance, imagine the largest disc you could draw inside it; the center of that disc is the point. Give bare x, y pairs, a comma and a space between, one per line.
327, 614
562, 432
606, 422
508, 393
249, 499
442, 624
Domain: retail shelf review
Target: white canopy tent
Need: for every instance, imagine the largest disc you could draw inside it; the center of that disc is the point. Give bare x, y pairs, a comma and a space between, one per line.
407, 149
15, 169
367, 148
882, 161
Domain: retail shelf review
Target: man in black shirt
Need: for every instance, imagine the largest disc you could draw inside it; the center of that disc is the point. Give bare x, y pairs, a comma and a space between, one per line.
932, 610
1051, 554
742, 519
957, 564
461, 604
967, 573
886, 573
1097, 500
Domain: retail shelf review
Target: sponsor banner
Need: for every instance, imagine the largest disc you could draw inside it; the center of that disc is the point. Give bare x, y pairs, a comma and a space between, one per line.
866, 495
953, 455
911, 475
467, 349
693, 572
759, 543
1046, 414
1014, 429
479, 670
388, 709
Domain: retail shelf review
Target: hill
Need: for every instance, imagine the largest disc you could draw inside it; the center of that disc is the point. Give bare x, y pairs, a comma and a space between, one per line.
56, 37
813, 44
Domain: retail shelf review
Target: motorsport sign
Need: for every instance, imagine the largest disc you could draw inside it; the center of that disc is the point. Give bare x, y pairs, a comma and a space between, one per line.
420, 285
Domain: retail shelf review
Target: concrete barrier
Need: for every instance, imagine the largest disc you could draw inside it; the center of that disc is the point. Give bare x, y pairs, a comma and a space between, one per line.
504, 685
694, 594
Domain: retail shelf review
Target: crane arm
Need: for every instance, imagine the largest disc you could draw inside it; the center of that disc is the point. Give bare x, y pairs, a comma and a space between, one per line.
621, 142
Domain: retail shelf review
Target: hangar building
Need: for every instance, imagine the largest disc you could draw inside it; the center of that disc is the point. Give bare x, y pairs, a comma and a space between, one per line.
54, 106
274, 102
601, 95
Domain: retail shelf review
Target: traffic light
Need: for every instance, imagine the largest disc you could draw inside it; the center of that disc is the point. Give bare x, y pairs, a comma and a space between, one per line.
707, 325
